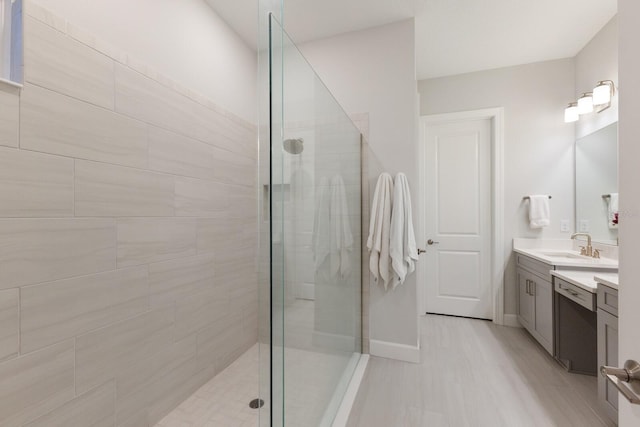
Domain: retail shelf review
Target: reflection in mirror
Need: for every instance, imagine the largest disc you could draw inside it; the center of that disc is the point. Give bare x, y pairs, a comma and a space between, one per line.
11, 40
597, 184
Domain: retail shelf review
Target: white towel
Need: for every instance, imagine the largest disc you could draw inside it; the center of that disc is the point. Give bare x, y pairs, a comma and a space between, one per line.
379, 227
404, 252
320, 241
539, 212
340, 238
613, 210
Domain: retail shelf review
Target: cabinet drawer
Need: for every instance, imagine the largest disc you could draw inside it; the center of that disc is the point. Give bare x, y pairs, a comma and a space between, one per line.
608, 299
533, 265
576, 294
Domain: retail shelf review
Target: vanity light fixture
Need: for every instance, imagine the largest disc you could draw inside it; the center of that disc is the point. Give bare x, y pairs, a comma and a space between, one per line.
585, 103
602, 94
598, 101
571, 113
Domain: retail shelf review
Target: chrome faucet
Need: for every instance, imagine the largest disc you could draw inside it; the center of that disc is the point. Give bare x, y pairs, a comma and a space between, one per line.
588, 251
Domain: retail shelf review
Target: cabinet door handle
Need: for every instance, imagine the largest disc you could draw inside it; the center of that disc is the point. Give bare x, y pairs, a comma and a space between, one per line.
526, 288
530, 287
533, 288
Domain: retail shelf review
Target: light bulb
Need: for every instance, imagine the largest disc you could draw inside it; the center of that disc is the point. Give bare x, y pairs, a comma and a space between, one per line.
571, 113
585, 103
602, 93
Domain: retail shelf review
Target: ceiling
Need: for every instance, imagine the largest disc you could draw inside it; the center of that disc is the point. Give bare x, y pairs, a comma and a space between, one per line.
452, 36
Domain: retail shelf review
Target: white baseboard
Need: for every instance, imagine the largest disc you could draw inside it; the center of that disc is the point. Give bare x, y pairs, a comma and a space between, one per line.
342, 416
391, 350
512, 321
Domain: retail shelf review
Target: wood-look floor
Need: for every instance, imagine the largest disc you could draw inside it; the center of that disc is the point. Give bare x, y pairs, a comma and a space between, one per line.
474, 373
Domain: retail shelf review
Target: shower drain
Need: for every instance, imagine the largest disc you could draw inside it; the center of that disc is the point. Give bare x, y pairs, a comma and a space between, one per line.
256, 403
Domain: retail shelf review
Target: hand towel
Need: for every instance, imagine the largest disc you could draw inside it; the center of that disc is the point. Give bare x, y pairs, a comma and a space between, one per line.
402, 247
539, 212
613, 210
379, 227
341, 238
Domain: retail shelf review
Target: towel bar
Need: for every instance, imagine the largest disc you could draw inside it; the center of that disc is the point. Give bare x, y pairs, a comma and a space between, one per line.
527, 197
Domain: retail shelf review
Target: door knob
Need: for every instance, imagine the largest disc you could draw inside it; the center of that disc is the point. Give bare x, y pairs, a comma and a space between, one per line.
626, 380
431, 242
421, 251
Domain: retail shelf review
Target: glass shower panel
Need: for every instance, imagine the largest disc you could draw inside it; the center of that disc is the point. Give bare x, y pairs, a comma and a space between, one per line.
279, 187
270, 200
315, 187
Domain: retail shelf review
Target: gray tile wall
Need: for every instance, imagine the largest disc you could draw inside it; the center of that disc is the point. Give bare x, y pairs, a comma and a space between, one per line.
128, 229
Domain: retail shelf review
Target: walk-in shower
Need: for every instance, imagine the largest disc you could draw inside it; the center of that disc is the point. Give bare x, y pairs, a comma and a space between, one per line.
158, 267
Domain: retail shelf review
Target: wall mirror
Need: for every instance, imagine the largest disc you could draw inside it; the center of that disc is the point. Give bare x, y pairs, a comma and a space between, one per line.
597, 184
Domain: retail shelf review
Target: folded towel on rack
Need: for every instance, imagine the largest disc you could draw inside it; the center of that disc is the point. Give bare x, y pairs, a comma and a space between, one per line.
403, 249
613, 210
379, 229
539, 212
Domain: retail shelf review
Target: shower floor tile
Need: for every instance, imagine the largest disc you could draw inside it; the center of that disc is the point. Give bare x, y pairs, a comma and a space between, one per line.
224, 400
312, 376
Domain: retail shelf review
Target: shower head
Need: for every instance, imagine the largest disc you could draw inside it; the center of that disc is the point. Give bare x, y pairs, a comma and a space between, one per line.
294, 145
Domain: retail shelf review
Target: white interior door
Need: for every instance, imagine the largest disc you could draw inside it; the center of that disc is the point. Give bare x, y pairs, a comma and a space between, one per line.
458, 217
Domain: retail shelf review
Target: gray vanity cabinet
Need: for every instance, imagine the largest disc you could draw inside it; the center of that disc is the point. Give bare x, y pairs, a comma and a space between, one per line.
526, 304
608, 346
543, 294
535, 299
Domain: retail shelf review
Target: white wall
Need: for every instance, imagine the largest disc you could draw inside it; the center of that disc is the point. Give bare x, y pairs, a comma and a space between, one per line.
598, 60
538, 144
184, 40
629, 129
373, 71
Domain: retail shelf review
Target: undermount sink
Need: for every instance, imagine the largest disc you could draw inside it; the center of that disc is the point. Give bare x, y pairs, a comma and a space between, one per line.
563, 254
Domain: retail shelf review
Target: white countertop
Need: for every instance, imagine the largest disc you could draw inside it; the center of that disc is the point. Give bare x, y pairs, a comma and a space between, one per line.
567, 258
568, 251
581, 278
607, 279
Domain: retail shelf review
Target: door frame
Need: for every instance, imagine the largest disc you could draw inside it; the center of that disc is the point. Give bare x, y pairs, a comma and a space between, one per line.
496, 115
